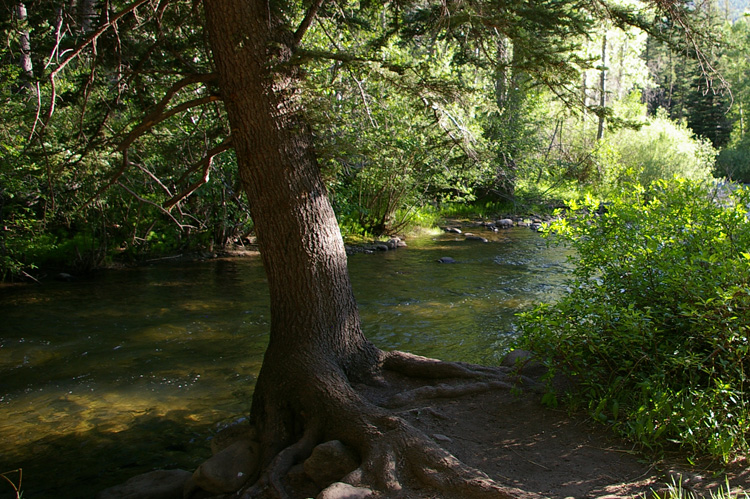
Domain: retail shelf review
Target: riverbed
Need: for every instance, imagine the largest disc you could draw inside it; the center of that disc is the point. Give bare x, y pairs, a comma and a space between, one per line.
135, 369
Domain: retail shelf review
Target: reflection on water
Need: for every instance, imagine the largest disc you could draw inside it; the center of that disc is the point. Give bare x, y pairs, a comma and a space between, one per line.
132, 370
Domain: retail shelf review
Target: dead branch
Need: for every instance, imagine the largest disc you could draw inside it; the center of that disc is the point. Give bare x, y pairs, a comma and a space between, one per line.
206, 164
88, 41
142, 200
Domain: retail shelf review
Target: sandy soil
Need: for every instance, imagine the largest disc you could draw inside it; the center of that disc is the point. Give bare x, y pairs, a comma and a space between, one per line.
517, 441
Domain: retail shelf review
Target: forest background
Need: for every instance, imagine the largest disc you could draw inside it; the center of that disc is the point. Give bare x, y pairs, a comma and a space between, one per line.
116, 147
435, 125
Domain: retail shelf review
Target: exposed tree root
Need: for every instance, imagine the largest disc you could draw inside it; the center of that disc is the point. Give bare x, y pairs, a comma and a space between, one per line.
396, 459
270, 481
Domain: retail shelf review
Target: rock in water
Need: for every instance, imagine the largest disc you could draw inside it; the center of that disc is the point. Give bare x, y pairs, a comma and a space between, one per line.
229, 469
160, 484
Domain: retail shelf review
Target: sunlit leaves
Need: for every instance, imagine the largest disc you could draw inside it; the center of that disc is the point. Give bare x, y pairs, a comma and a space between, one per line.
655, 328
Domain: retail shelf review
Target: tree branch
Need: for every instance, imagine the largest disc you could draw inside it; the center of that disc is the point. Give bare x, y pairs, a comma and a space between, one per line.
206, 164
307, 21
88, 41
157, 117
142, 200
115, 177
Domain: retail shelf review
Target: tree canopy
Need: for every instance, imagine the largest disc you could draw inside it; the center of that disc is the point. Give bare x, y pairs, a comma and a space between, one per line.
161, 123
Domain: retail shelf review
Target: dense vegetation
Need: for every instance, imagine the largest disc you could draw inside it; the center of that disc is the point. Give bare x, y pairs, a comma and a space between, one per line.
114, 145
654, 331
434, 121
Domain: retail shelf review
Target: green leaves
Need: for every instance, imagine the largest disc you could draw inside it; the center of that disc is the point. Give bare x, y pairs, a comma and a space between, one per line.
655, 328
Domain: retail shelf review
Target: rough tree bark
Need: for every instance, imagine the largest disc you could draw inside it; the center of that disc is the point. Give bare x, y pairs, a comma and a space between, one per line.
306, 392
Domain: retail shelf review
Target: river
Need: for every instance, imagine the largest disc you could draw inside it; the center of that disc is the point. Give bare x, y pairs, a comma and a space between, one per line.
131, 370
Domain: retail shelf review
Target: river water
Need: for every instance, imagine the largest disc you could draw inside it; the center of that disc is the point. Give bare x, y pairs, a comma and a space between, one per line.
133, 370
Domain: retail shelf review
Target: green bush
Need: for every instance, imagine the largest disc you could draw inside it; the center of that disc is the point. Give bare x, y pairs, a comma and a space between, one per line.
659, 150
654, 331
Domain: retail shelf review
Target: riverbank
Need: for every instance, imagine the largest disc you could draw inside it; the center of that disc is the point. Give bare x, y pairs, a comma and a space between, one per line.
516, 441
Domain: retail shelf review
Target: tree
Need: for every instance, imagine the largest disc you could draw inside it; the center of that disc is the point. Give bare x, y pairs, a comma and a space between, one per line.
317, 350
321, 378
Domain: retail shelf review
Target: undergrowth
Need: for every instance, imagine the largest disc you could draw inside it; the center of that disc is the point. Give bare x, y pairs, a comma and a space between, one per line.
654, 330
675, 490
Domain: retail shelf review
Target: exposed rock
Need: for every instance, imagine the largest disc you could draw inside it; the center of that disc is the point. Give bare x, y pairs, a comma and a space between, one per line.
504, 223
229, 469
241, 430
340, 490
472, 237
160, 484
442, 438
446, 259
329, 462
396, 242
453, 230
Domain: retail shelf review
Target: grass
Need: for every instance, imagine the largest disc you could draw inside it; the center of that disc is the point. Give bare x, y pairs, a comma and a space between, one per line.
676, 491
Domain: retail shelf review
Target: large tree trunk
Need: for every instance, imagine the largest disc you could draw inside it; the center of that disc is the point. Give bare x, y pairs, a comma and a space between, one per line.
317, 353
314, 319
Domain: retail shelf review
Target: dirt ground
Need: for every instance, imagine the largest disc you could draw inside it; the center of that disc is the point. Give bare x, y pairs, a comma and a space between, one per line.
517, 441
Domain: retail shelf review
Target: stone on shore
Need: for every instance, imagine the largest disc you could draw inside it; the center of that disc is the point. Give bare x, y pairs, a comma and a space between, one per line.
329, 462
340, 490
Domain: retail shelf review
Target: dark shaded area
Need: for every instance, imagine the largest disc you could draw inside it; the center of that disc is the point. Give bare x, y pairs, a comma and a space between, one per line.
60, 466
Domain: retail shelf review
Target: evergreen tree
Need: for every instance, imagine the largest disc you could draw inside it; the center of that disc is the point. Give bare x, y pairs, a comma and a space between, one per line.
320, 375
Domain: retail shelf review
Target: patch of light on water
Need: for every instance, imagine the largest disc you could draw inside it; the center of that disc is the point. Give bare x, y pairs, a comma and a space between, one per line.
133, 370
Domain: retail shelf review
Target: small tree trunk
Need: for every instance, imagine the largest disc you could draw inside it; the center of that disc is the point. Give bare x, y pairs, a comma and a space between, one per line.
602, 88
24, 41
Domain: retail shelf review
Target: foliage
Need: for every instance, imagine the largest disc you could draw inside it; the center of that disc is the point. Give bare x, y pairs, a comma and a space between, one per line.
659, 150
70, 195
654, 331
734, 161
414, 106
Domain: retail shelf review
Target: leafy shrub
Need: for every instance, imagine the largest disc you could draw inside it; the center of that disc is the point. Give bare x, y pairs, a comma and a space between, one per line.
654, 331
659, 150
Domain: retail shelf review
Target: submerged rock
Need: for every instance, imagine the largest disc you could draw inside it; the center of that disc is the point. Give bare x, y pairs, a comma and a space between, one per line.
472, 237
446, 259
160, 484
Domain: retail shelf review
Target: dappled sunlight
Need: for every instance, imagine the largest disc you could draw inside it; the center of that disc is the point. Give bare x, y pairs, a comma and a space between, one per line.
133, 370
